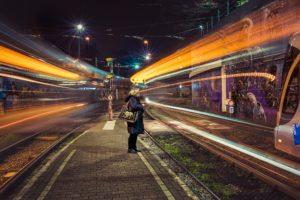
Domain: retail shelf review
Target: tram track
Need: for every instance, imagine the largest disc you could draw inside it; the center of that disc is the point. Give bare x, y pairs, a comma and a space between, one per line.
28, 152
187, 171
271, 177
278, 180
18, 159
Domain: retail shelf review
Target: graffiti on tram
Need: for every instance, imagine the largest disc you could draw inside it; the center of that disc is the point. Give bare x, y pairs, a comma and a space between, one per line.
253, 98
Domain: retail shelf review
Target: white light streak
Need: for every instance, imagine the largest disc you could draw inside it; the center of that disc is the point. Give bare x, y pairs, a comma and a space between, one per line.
208, 114
272, 160
32, 81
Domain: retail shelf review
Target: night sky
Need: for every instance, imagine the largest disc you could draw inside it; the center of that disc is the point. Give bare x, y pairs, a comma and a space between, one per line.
116, 26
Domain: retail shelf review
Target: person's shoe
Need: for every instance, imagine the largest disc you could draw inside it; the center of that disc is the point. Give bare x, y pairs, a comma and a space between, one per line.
137, 150
132, 151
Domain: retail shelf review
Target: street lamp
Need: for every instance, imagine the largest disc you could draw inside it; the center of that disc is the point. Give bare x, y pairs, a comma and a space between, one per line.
136, 66
80, 28
146, 42
148, 56
87, 38
201, 27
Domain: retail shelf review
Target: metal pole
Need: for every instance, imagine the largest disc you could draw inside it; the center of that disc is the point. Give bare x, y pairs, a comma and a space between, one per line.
79, 47
96, 61
79, 37
228, 7
110, 100
207, 27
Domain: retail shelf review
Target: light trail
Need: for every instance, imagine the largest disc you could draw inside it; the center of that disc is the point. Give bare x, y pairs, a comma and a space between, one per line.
270, 159
33, 81
34, 91
40, 115
30, 74
265, 75
249, 32
213, 64
148, 101
41, 49
21, 61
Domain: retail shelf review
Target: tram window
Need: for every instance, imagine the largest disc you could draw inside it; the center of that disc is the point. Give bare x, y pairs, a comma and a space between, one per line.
291, 100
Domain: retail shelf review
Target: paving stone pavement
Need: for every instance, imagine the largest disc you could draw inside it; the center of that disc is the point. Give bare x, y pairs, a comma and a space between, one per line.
97, 166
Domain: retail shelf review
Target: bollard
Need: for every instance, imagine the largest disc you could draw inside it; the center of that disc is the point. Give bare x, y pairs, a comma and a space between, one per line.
110, 108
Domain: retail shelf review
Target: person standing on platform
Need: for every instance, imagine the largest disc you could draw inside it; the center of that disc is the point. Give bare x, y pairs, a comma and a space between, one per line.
136, 128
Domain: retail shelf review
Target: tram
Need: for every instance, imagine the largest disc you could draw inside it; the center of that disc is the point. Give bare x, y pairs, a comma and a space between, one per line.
287, 134
251, 66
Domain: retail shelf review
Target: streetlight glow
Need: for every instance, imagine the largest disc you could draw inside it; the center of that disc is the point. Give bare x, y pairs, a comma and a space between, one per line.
148, 56
136, 66
87, 38
80, 27
146, 42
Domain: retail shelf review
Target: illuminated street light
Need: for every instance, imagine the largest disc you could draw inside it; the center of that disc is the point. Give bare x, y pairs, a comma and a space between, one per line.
136, 66
148, 56
201, 27
87, 38
146, 42
79, 27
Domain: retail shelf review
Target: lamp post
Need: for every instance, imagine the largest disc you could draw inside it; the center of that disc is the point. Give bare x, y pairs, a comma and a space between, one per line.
111, 88
146, 42
136, 66
148, 56
80, 29
87, 39
201, 27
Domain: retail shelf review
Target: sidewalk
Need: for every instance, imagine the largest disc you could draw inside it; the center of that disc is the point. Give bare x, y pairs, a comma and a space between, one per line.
96, 165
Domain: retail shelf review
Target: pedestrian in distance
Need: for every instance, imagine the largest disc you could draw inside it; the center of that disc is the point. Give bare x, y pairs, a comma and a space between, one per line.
137, 127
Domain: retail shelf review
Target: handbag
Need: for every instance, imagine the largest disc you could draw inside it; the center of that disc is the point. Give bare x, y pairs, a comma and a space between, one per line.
127, 115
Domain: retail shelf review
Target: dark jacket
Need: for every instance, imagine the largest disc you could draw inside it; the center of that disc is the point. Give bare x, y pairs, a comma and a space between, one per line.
135, 105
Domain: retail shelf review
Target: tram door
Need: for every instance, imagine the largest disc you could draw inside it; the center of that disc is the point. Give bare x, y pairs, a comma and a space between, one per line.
290, 113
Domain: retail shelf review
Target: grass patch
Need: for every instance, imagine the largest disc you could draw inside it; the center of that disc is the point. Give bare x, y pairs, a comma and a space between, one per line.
203, 171
227, 191
175, 151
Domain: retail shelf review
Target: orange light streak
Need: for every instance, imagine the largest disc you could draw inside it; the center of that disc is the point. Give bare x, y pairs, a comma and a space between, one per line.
249, 32
21, 61
247, 74
39, 115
